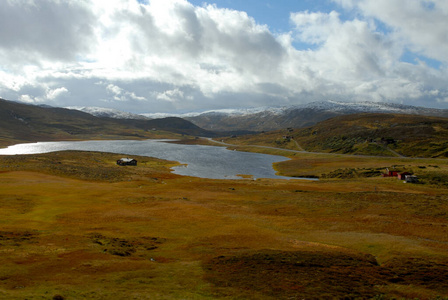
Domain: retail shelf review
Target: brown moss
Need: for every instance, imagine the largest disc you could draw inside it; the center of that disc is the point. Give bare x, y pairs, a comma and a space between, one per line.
320, 274
298, 274
85, 165
91, 239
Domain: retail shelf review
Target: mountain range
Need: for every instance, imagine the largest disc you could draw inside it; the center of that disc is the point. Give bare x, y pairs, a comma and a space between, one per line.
273, 118
31, 123
301, 116
351, 128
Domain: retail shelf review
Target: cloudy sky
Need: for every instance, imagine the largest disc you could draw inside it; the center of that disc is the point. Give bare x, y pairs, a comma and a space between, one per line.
184, 56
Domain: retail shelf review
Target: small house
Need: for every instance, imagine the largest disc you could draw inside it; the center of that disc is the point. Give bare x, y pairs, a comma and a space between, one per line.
391, 173
126, 162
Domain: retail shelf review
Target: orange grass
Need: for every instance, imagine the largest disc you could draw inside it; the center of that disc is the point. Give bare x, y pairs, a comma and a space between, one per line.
150, 234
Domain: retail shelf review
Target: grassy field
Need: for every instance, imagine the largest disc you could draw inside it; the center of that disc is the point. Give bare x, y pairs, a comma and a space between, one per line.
74, 225
362, 134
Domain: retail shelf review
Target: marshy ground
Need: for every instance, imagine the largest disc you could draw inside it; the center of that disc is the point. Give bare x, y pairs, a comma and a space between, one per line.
74, 225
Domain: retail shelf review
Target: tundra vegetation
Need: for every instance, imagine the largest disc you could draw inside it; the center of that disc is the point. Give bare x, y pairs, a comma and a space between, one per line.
362, 134
74, 225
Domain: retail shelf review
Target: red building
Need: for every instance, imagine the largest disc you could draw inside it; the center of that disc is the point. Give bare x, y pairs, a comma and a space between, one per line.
391, 173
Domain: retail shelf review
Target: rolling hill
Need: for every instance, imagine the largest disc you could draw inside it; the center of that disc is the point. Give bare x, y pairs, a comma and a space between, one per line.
269, 118
29, 123
364, 134
251, 120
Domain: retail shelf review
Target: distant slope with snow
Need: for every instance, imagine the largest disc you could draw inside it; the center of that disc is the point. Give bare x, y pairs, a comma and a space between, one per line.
273, 118
300, 116
108, 113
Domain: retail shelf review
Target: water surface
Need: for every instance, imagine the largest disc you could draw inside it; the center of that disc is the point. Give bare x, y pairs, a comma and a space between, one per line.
200, 161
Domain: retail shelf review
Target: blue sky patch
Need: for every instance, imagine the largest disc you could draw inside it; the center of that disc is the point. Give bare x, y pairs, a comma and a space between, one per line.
415, 58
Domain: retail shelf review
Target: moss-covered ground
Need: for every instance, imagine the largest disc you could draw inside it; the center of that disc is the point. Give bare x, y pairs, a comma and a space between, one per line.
74, 225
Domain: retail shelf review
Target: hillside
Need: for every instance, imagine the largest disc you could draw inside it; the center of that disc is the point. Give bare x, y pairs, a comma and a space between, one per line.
262, 120
269, 118
28, 123
365, 134
252, 120
171, 124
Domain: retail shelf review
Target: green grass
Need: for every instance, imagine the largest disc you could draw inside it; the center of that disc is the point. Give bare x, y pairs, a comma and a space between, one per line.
363, 134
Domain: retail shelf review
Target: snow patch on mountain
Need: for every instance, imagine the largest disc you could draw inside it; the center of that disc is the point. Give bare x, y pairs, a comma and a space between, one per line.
330, 105
220, 112
103, 112
363, 106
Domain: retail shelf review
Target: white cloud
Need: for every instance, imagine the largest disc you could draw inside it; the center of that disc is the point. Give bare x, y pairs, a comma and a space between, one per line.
351, 49
27, 99
171, 95
52, 94
49, 95
117, 91
120, 94
419, 23
169, 54
355, 58
11, 81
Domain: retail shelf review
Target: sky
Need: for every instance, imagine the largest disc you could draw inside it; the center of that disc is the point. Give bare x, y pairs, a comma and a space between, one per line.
178, 56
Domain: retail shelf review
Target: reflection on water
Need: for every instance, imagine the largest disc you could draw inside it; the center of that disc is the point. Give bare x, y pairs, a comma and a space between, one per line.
200, 161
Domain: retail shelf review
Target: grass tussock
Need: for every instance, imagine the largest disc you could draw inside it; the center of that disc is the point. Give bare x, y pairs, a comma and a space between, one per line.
77, 226
329, 274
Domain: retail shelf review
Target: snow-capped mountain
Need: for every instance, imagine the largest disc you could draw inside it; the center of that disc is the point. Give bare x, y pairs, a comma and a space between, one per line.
107, 112
272, 118
364, 106
229, 111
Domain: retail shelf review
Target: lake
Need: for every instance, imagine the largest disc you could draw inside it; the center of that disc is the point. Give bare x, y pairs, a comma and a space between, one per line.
199, 161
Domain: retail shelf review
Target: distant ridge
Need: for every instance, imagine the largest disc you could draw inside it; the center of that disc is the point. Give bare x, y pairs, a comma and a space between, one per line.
108, 113
21, 122
299, 116
273, 118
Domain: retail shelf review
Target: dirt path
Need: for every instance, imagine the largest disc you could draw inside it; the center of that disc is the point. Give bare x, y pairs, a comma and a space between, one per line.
258, 146
390, 150
394, 152
304, 151
298, 146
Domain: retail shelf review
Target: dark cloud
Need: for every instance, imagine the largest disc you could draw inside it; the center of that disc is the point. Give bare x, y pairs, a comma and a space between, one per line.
168, 55
45, 29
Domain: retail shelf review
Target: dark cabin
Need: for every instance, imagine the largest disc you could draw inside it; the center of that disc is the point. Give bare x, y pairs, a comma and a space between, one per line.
127, 162
411, 179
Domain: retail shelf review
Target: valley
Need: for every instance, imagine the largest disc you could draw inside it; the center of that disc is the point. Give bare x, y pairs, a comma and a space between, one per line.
86, 228
223, 150
75, 225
